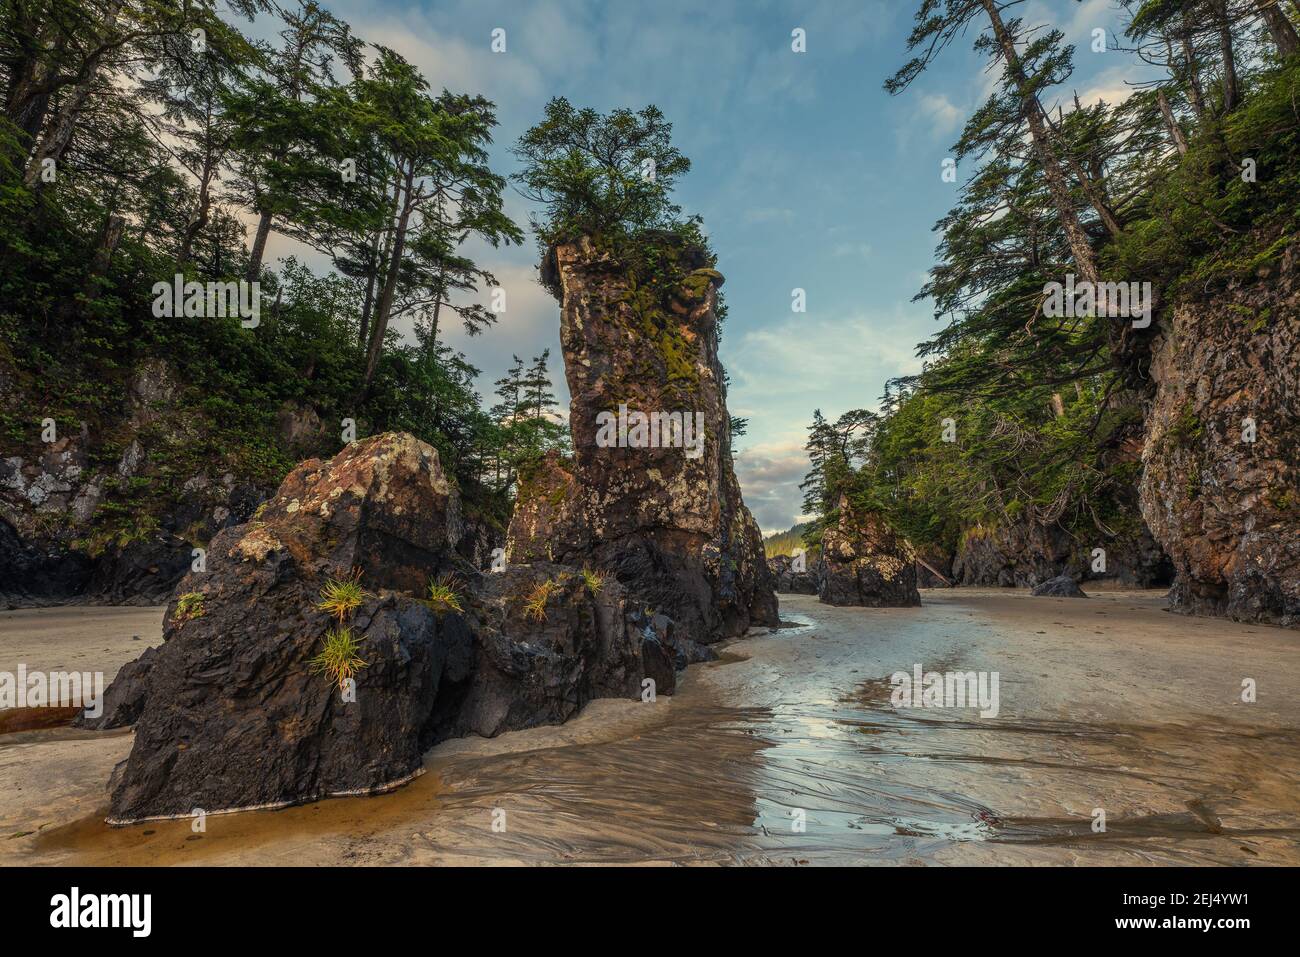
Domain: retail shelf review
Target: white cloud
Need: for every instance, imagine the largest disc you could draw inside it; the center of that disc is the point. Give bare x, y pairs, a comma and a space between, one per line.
853, 250
943, 114
783, 371
769, 476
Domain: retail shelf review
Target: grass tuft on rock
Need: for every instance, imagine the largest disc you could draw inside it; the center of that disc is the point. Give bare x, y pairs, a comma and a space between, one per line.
595, 581
188, 607
443, 595
340, 598
535, 603
339, 658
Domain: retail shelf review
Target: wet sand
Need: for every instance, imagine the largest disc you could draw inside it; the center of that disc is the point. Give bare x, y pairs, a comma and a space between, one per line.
1107, 703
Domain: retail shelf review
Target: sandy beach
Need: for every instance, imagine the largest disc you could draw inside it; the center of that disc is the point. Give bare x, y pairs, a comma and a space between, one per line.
787, 750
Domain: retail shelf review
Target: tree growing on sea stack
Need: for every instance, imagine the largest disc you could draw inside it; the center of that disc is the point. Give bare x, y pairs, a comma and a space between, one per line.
639, 318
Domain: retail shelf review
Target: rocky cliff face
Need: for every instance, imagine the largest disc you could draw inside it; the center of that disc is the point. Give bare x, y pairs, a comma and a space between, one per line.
1226, 508
865, 563
69, 527
234, 710
656, 505
1024, 554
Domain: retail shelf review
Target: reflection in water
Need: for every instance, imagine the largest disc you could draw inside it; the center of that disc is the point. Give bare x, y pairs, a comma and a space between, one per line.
868, 774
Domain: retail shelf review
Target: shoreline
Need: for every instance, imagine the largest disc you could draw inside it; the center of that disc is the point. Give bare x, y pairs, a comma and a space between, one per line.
1105, 702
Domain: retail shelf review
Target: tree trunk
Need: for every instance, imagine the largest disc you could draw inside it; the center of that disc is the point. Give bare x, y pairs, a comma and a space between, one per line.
60, 131
200, 219
258, 252
28, 97
1084, 258
377, 258
108, 240
59, 134
363, 332
1192, 77
431, 347
1229, 58
1175, 132
1279, 28
389, 291
1093, 189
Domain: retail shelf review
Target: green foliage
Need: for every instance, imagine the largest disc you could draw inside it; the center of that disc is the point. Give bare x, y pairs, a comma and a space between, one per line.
597, 175
1022, 416
443, 595
341, 598
339, 656
188, 607
1204, 225
787, 542
525, 421
595, 581
169, 160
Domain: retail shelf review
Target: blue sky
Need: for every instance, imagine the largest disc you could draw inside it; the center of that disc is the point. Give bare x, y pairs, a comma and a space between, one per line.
806, 173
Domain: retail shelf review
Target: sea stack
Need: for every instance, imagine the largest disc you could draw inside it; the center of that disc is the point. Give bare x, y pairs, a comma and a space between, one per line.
654, 503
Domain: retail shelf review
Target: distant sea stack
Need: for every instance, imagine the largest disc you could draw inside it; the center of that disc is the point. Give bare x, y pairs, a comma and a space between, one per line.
658, 508
866, 563
791, 579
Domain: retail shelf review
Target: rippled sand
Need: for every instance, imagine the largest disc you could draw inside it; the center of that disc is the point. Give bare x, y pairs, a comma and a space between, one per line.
1106, 703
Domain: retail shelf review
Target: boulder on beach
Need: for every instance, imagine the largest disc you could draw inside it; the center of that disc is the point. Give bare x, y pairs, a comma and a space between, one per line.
259, 696
548, 639
793, 581
1062, 586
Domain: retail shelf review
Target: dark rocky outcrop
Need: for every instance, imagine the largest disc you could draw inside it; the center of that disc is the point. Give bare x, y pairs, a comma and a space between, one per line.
1062, 586
232, 712
541, 667
866, 563
1226, 509
792, 582
125, 698
32, 574
63, 534
1019, 554
235, 715
671, 527
1024, 553
934, 569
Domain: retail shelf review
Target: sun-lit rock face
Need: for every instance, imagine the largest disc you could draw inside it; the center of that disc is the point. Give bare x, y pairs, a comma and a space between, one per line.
655, 503
1220, 485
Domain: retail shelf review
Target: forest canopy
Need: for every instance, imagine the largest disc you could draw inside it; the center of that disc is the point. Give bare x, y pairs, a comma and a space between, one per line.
1188, 184
152, 143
